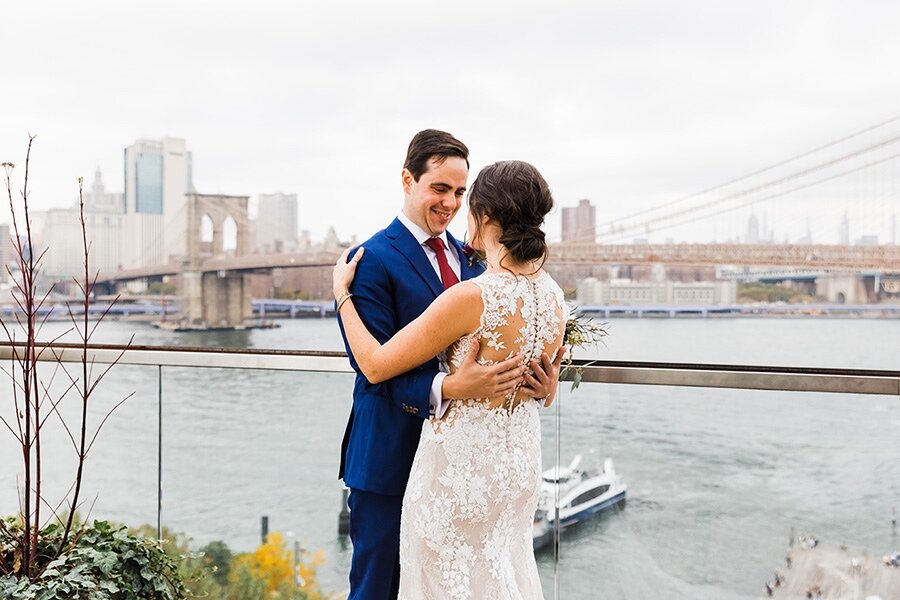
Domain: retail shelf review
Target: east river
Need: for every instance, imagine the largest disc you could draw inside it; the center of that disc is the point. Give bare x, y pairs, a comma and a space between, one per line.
717, 478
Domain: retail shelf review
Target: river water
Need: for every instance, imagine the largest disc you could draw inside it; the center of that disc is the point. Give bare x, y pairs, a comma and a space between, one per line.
717, 478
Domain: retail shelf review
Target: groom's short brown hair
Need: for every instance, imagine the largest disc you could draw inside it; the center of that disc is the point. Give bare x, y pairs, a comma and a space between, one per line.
432, 143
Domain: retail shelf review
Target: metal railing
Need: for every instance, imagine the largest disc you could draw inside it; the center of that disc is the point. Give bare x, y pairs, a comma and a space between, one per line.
744, 377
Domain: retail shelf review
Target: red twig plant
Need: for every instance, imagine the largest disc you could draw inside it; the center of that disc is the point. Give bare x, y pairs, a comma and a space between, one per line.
33, 398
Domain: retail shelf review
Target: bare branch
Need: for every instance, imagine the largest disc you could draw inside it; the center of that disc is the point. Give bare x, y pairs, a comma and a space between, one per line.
11, 376
103, 422
112, 364
11, 430
103, 315
46, 345
54, 404
58, 357
74, 321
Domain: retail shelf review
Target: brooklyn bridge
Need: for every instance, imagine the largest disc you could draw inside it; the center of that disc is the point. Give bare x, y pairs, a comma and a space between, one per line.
853, 173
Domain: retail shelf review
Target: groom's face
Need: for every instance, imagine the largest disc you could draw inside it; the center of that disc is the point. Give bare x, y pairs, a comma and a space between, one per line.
433, 200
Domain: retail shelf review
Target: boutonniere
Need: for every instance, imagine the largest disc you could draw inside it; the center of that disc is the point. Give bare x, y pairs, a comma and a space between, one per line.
473, 255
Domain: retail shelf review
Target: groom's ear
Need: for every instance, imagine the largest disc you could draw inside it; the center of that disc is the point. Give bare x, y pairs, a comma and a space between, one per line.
407, 179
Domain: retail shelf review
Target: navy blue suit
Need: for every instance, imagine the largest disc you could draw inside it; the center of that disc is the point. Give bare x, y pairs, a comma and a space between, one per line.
395, 282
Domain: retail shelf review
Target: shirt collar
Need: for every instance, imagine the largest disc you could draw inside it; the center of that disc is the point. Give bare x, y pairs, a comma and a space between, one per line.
420, 234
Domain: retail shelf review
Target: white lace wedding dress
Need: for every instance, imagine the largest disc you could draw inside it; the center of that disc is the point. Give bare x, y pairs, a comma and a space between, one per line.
465, 529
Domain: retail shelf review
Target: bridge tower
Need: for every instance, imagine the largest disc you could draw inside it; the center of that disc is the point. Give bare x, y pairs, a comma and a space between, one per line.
217, 298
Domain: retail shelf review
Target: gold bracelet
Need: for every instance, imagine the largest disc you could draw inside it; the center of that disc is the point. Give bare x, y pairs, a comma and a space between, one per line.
342, 299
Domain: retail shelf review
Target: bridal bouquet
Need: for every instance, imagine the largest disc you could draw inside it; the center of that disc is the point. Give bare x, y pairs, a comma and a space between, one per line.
581, 332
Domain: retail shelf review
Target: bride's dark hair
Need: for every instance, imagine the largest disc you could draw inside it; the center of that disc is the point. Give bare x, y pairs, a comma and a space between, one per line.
513, 194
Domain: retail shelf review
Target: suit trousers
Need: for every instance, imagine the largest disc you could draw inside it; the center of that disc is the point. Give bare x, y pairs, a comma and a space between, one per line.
375, 535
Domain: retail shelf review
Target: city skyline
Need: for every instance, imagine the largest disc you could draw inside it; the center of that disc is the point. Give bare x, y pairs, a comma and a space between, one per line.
630, 106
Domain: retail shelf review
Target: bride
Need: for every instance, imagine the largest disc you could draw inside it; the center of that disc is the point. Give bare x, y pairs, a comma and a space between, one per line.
467, 515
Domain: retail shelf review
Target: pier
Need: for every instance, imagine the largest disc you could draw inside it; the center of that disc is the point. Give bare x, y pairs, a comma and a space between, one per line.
832, 573
871, 311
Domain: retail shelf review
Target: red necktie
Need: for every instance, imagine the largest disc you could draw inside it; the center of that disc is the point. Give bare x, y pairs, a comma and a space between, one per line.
448, 277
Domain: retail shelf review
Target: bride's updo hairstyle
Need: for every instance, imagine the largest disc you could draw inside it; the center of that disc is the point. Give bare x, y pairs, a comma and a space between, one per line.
516, 197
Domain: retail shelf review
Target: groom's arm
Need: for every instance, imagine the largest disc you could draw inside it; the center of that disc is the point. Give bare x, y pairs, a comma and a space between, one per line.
373, 294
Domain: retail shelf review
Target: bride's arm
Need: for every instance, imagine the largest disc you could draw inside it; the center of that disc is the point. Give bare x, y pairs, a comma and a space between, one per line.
452, 315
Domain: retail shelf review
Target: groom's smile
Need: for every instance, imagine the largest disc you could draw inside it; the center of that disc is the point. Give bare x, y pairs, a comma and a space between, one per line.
433, 200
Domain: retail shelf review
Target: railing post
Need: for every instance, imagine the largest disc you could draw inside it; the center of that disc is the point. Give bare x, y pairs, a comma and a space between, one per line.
556, 533
159, 452
344, 515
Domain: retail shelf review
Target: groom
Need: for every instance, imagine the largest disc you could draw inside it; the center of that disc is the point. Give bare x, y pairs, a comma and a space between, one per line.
405, 267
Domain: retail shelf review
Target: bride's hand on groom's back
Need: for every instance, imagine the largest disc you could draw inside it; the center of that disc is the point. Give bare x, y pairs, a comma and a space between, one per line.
473, 380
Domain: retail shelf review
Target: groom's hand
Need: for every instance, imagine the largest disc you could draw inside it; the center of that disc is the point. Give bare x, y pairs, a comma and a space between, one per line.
545, 379
473, 380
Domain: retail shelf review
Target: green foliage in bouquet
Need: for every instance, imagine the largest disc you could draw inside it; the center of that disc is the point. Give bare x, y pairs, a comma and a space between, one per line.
581, 332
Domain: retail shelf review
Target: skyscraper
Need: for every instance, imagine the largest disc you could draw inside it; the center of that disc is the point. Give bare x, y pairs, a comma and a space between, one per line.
752, 236
579, 223
844, 231
276, 222
158, 174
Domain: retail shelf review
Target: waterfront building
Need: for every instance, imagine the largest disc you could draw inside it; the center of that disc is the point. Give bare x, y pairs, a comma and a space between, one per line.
305, 240
158, 174
59, 233
276, 223
579, 223
331, 243
6, 249
98, 200
628, 292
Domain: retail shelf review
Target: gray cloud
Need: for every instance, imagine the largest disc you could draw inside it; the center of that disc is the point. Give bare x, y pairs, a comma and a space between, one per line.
625, 103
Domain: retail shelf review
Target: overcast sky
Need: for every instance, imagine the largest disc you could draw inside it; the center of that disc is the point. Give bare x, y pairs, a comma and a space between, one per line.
627, 103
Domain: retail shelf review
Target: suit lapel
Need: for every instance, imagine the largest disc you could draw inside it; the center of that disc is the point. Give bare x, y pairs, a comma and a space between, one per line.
404, 242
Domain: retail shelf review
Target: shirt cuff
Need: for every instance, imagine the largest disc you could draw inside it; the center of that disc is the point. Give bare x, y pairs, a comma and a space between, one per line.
436, 400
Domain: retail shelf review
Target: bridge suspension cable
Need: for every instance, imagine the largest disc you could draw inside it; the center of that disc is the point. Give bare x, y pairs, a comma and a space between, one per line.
772, 196
657, 223
766, 169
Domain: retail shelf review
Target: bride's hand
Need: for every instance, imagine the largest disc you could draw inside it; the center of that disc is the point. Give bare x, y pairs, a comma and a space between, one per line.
344, 271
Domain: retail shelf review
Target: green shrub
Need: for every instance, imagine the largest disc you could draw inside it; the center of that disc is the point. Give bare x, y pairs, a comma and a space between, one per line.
105, 563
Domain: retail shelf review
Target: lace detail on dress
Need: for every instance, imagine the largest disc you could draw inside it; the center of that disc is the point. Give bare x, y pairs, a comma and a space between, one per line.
473, 490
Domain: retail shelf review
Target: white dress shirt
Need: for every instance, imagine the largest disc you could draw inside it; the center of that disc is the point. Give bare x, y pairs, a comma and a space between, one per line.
438, 404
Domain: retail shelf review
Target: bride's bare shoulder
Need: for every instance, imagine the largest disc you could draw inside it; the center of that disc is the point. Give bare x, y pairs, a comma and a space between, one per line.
465, 291
462, 298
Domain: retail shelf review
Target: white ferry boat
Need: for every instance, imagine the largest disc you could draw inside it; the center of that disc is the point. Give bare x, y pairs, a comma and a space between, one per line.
582, 494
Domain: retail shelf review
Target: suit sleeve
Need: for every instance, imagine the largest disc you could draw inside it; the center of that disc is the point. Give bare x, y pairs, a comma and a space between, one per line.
373, 293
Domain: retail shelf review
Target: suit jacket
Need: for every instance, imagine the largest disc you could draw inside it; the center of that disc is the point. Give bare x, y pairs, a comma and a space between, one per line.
394, 284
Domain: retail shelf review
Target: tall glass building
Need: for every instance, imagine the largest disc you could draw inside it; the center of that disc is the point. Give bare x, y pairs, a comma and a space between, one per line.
148, 173
158, 174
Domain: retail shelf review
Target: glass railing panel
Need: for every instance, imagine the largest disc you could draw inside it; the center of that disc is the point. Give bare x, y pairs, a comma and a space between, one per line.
240, 444
846, 343
120, 474
718, 480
